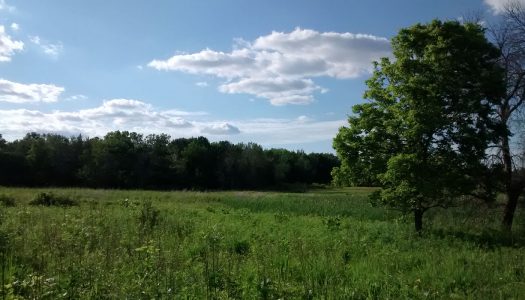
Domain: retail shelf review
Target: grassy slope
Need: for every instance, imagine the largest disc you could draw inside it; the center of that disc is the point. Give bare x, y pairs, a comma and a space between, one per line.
327, 244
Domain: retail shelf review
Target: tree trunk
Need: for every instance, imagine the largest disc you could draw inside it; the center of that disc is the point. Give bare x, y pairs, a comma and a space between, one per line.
418, 219
511, 194
510, 208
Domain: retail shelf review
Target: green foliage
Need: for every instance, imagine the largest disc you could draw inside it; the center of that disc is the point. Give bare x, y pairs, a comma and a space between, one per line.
423, 135
149, 216
50, 199
332, 223
7, 201
322, 244
123, 159
241, 248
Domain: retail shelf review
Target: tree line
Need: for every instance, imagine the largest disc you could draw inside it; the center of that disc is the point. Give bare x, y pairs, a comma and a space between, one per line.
129, 160
440, 118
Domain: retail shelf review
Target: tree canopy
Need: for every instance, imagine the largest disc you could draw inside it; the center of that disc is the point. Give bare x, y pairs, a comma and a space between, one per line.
424, 132
124, 159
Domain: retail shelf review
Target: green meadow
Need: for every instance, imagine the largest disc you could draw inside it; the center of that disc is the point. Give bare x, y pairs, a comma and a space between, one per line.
320, 244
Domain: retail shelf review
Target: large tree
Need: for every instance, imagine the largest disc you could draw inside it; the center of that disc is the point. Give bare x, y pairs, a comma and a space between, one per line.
509, 37
425, 130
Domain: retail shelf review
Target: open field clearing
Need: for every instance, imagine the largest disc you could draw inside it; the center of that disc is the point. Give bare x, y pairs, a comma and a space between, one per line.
323, 244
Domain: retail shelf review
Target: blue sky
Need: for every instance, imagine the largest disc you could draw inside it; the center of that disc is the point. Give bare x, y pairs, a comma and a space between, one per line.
278, 73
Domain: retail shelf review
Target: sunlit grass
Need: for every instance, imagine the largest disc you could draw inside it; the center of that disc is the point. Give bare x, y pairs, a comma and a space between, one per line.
323, 244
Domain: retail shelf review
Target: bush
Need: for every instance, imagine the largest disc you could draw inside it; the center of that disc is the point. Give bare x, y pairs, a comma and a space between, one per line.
241, 248
149, 216
50, 199
7, 201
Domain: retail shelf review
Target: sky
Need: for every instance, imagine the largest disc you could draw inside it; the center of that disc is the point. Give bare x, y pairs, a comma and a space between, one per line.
278, 73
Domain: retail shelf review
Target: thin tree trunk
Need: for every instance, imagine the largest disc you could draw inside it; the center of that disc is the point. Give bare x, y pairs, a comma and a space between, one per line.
511, 195
510, 209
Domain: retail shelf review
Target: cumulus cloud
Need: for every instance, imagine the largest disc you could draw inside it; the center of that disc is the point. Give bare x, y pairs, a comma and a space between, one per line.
279, 91
15, 92
308, 52
8, 46
280, 67
498, 6
129, 113
238, 63
52, 50
138, 116
201, 84
14, 26
115, 114
220, 129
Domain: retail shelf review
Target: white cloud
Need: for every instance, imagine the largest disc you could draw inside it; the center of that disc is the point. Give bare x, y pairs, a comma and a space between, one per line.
201, 84
5, 6
498, 6
49, 49
280, 67
238, 63
181, 113
304, 119
220, 129
14, 26
78, 97
308, 52
138, 116
15, 92
115, 114
279, 91
131, 113
8, 46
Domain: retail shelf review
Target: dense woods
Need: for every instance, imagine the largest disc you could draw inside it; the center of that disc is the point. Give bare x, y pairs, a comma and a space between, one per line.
131, 160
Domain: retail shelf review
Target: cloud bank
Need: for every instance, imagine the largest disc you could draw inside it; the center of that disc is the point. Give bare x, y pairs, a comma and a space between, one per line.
14, 92
114, 114
280, 67
138, 116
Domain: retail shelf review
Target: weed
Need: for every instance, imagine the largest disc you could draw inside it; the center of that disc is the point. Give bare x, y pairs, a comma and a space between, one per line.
266, 289
7, 201
149, 216
333, 223
347, 256
325, 244
241, 248
281, 217
50, 199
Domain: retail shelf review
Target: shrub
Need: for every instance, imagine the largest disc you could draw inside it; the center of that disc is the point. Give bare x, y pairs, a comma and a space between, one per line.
241, 248
50, 199
7, 201
333, 223
149, 216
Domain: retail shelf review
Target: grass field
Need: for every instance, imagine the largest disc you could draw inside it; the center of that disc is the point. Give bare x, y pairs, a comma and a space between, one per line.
323, 244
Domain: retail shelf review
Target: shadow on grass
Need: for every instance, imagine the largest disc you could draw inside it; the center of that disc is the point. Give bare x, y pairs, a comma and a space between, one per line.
489, 238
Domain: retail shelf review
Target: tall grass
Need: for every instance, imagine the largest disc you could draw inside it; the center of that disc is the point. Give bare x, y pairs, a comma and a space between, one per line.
249, 245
